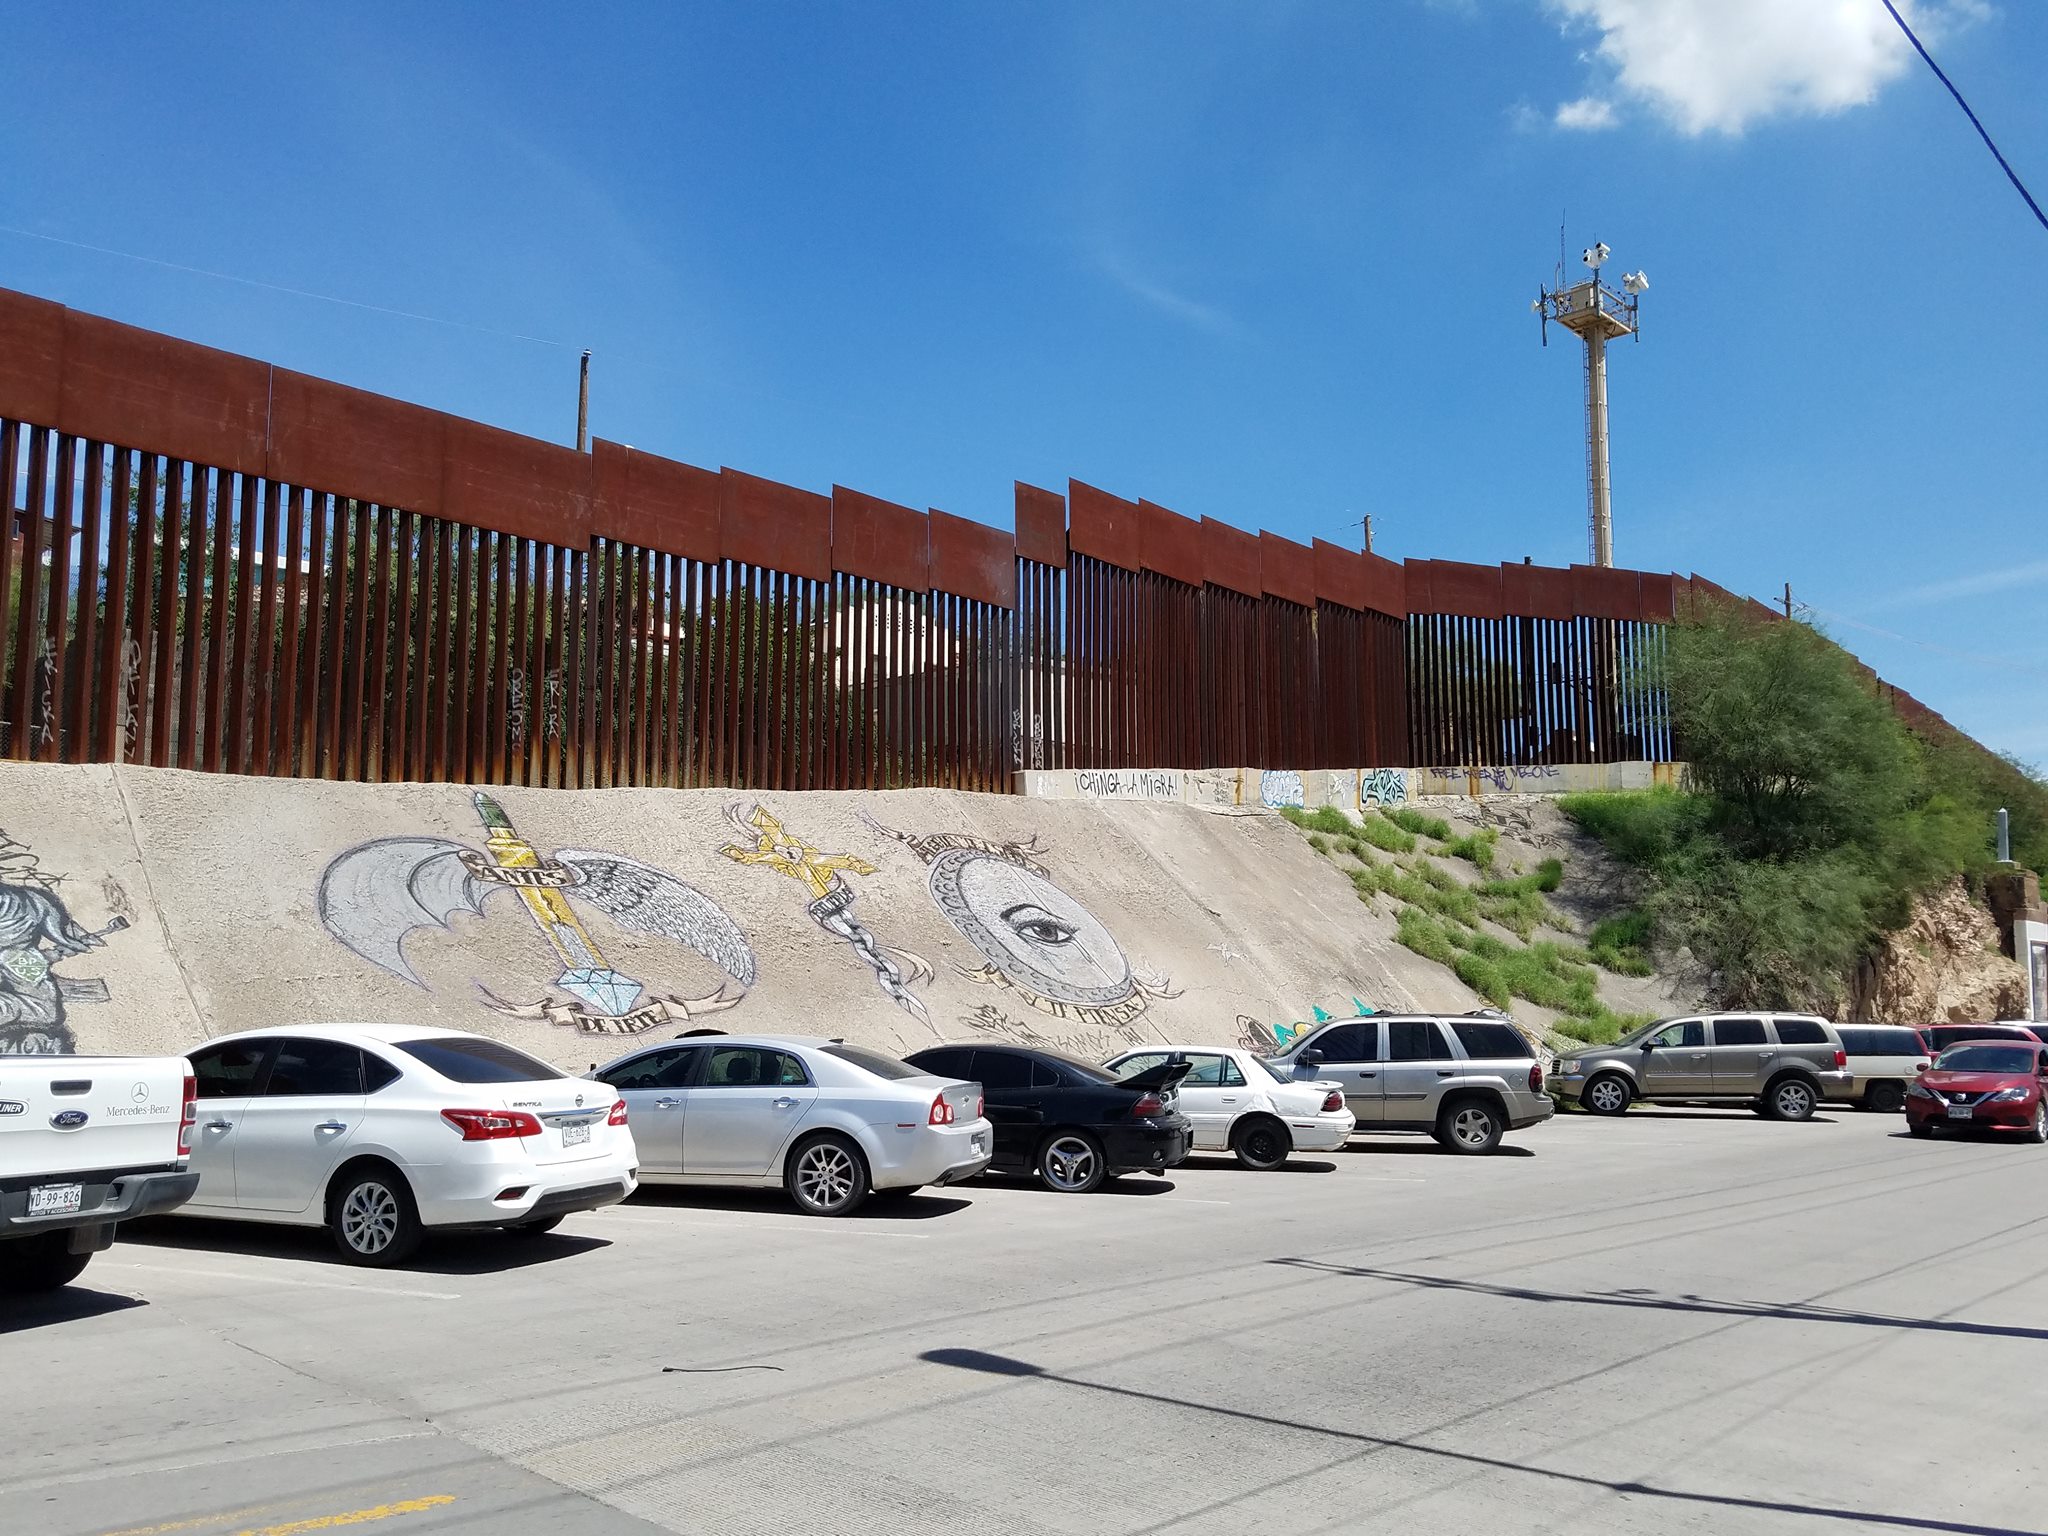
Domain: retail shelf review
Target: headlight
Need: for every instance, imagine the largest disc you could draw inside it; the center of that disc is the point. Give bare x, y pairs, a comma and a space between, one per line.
1568, 1066
1918, 1092
2007, 1096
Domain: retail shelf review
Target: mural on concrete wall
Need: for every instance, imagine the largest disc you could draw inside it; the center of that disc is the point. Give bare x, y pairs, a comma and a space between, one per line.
1087, 1042
1037, 942
378, 893
1383, 786
766, 842
1281, 786
37, 933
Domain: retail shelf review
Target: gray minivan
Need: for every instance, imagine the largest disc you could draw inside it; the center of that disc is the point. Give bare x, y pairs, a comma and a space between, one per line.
1782, 1065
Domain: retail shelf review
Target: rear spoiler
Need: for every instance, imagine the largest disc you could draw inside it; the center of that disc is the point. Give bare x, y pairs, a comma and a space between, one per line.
1155, 1079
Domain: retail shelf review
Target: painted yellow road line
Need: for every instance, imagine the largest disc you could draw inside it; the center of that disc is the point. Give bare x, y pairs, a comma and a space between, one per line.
353, 1517
196, 1523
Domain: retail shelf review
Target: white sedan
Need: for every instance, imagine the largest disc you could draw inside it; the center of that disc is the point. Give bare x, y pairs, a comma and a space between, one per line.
380, 1132
1237, 1103
827, 1121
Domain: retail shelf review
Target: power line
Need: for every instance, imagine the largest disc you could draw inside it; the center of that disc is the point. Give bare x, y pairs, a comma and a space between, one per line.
2010, 174
298, 293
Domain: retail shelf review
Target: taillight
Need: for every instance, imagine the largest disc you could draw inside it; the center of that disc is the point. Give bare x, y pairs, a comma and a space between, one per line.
1535, 1077
1841, 1060
942, 1112
491, 1124
618, 1114
190, 1117
1332, 1101
980, 1105
1148, 1104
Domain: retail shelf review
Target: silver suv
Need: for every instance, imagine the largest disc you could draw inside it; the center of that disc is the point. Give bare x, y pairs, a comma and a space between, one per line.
1466, 1079
1782, 1065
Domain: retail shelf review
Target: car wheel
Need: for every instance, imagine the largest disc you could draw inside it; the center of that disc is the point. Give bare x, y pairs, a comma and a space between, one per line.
1471, 1127
1608, 1094
2037, 1131
40, 1263
827, 1176
1790, 1099
537, 1226
1919, 1128
1886, 1098
373, 1218
1071, 1162
1261, 1143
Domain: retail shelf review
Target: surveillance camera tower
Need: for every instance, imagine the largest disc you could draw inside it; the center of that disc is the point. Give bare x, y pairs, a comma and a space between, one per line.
1596, 314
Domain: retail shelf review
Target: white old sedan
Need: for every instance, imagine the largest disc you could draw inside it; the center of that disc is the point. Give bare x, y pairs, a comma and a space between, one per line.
1237, 1103
827, 1121
381, 1132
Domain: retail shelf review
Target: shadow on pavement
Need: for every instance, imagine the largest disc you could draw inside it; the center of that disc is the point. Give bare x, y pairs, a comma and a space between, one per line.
922, 1206
1218, 1162
1423, 1146
448, 1253
1003, 1365
67, 1304
1639, 1300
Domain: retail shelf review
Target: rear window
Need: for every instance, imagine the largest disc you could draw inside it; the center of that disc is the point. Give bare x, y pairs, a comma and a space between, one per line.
1086, 1071
1880, 1042
874, 1061
1486, 1041
467, 1059
1801, 1032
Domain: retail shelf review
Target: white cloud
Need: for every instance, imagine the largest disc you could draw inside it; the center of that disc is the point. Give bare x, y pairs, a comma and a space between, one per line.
1588, 112
2003, 579
1179, 306
1716, 66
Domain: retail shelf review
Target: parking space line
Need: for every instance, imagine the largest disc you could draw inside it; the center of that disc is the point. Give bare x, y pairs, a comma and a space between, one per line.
258, 1278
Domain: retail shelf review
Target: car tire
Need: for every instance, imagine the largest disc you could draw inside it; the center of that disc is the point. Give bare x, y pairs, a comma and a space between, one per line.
1885, 1098
537, 1226
1072, 1163
1919, 1128
373, 1217
1607, 1094
1470, 1127
1261, 1143
1791, 1098
2037, 1132
826, 1176
45, 1262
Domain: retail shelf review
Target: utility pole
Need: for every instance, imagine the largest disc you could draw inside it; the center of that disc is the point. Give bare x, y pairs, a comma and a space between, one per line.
1596, 314
583, 405
1368, 533
1788, 599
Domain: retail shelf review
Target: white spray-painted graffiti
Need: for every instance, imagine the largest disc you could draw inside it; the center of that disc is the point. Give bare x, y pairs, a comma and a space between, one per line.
1281, 786
552, 709
36, 934
515, 706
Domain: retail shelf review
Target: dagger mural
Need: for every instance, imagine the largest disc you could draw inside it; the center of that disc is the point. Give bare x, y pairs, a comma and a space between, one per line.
375, 895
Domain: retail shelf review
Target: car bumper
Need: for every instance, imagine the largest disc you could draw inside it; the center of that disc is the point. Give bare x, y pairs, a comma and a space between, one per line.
1323, 1133
106, 1198
912, 1156
1837, 1087
1527, 1109
1151, 1146
454, 1195
1982, 1117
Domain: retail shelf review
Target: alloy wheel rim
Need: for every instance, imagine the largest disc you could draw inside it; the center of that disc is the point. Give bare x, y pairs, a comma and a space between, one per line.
1472, 1127
1069, 1163
369, 1218
825, 1176
1606, 1095
1794, 1100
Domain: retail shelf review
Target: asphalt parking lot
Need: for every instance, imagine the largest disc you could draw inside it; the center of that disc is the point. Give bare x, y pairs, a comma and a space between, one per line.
1679, 1321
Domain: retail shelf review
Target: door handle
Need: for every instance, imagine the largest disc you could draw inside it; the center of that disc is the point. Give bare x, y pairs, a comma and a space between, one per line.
785, 1103
1446, 1071
1228, 1101
220, 1125
665, 1103
332, 1125
1364, 1075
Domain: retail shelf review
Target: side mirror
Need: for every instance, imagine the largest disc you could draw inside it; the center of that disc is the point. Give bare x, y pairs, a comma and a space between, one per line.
1649, 1045
1310, 1059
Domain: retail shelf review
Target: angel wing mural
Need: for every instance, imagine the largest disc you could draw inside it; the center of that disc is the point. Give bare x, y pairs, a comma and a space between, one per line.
378, 893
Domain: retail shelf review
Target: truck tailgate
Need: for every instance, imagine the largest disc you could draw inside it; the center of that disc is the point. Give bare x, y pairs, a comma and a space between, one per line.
75, 1114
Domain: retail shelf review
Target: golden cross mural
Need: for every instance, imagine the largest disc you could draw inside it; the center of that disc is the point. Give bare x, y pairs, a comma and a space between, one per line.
790, 855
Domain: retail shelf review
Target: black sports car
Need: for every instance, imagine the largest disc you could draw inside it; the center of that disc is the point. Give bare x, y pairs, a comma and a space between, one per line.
1069, 1120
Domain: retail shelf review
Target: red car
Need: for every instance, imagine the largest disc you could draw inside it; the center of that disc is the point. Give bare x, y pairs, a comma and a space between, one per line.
1988, 1085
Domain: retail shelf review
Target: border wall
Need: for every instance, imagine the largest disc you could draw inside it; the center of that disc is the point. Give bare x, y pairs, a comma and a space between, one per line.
213, 563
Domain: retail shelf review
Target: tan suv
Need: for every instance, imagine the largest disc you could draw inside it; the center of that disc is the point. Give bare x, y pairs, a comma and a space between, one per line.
1782, 1065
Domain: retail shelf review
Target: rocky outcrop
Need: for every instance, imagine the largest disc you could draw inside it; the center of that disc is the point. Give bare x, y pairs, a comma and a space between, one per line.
1944, 966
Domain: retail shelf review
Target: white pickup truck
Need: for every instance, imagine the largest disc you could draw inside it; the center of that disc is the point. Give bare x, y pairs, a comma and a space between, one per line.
85, 1142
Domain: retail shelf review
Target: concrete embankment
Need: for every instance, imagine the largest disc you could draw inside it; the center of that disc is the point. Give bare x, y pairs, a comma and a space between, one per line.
146, 909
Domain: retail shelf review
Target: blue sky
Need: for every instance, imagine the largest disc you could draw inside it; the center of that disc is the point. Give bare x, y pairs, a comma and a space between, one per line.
1269, 262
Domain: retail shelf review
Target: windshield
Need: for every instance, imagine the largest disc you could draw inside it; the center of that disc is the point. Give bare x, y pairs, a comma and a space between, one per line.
1987, 1058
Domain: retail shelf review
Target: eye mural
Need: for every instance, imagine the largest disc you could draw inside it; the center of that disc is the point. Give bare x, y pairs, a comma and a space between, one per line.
1039, 942
374, 896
